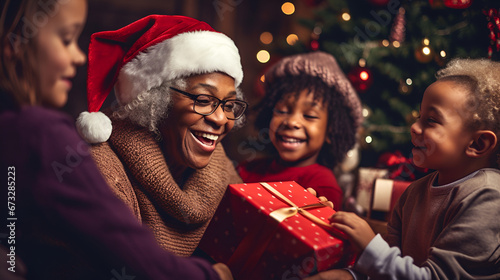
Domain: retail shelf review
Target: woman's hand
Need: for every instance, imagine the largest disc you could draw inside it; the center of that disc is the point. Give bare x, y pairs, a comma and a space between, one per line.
334, 274
223, 271
356, 228
321, 198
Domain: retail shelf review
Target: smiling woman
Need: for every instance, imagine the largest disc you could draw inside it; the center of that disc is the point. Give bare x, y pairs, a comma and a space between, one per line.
63, 220
176, 81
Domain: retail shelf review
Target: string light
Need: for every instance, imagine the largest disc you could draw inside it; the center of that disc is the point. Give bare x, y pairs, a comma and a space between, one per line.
362, 62
396, 44
426, 41
288, 8
365, 112
385, 43
263, 56
266, 38
409, 81
363, 75
426, 50
368, 139
346, 16
442, 53
292, 39
317, 30
263, 78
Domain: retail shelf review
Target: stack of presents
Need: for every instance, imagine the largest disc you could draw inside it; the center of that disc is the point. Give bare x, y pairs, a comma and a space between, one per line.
278, 230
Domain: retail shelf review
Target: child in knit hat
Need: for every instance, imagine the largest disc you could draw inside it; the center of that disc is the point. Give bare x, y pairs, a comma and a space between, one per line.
312, 113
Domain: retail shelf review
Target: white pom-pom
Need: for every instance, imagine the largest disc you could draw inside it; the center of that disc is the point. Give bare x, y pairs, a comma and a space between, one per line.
94, 127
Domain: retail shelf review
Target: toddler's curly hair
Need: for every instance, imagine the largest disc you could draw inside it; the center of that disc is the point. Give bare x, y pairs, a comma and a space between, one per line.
481, 78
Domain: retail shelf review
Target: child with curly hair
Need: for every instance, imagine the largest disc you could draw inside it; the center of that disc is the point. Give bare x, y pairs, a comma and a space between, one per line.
312, 113
445, 226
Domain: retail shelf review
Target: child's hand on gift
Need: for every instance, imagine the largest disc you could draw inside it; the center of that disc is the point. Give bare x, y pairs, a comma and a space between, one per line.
334, 274
323, 199
355, 228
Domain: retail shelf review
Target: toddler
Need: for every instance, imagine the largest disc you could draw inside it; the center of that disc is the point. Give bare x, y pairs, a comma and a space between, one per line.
445, 226
312, 113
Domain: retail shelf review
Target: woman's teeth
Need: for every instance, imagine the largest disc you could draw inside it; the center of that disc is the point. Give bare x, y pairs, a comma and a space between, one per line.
207, 136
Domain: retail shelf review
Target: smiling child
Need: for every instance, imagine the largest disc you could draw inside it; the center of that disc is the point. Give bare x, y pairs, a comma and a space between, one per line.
445, 225
312, 113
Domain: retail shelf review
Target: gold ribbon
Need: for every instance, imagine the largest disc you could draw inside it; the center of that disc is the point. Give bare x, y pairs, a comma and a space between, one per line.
253, 245
283, 213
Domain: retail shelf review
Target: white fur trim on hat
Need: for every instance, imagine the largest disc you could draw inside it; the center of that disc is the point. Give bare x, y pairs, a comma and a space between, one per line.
94, 127
183, 55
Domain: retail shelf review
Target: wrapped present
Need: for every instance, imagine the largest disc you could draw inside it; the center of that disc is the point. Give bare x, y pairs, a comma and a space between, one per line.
274, 231
366, 179
385, 194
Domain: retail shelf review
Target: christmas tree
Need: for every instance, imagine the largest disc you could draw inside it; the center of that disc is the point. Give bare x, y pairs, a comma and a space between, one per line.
391, 51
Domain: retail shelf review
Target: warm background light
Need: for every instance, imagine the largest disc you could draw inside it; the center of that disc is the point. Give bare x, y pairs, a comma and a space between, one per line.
346, 17
426, 50
263, 56
266, 38
363, 75
288, 8
292, 39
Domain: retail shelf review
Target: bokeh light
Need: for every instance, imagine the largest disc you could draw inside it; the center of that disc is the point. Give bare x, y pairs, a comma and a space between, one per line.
292, 39
288, 8
263, 56
266, 38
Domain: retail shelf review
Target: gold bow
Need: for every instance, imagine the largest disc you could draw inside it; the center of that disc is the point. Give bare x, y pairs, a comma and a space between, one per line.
283, 213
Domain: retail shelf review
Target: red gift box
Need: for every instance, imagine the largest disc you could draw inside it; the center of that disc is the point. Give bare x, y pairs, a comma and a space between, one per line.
246, 235
385, 194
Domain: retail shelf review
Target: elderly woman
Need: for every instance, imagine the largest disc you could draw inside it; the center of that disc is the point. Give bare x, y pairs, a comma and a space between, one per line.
176, 82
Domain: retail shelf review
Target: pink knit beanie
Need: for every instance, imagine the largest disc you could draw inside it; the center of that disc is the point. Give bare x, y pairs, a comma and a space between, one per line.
324, 66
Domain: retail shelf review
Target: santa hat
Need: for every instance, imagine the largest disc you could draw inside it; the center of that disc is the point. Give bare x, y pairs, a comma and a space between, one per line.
143, 55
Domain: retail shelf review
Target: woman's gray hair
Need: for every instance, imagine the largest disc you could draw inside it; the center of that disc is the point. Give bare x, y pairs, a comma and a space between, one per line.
149, 108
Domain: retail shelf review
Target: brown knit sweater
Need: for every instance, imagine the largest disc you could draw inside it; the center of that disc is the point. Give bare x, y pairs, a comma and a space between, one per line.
134, 166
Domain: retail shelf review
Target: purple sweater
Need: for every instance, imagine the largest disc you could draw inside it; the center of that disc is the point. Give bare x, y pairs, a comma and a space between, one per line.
68, 223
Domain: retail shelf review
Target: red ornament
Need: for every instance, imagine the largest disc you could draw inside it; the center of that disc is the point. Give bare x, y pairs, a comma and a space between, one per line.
493, 17
314, 45
424, 54
361, 78
379, 2
458, 4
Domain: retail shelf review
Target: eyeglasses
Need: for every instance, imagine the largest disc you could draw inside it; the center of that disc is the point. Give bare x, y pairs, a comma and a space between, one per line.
207, 104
